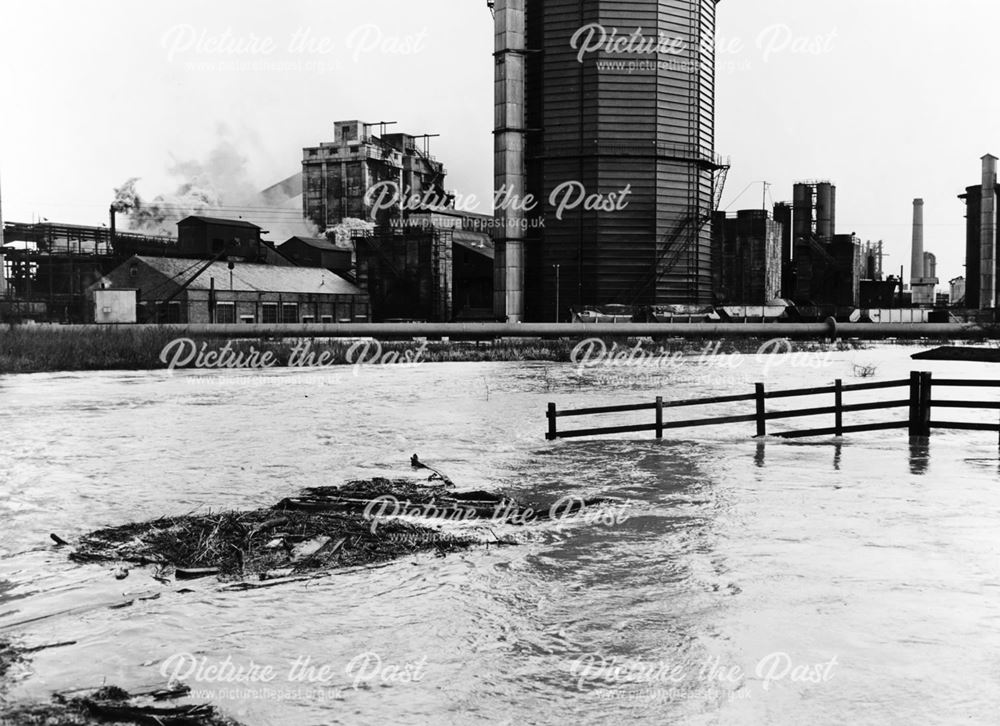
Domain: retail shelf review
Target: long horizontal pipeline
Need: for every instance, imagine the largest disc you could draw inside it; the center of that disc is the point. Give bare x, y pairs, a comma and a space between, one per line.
489, 331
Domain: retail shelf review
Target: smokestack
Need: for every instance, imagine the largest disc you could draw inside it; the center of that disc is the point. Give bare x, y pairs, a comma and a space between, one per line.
988, 234
917, 250
509, 152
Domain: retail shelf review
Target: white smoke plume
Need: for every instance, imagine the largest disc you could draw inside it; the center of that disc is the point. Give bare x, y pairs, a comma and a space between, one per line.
219, 186
342, 234
160, 216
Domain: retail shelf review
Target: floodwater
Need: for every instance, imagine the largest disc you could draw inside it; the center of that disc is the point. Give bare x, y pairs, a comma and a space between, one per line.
752, 582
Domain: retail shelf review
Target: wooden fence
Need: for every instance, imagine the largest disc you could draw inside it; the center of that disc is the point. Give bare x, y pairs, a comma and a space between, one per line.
919, 402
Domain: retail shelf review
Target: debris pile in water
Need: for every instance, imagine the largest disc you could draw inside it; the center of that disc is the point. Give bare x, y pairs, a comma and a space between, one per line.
323, 530
9, 656
110, 704
107, 704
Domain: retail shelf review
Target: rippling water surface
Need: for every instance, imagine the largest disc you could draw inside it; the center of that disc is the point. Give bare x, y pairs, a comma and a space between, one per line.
777, 582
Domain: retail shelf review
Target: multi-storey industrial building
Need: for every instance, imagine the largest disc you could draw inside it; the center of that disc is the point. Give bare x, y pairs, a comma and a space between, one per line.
627, 131
337, 176
747, 250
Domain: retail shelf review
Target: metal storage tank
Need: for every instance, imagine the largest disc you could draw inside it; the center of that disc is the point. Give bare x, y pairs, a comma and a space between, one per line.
604, 122
826, 211
802, 204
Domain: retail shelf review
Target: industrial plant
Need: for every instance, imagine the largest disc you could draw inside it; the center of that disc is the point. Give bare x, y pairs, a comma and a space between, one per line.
627, 222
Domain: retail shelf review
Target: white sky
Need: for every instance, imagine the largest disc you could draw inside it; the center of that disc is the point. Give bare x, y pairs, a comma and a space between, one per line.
93, 94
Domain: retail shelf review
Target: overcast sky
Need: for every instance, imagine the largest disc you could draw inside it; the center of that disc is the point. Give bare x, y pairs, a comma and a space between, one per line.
878, 96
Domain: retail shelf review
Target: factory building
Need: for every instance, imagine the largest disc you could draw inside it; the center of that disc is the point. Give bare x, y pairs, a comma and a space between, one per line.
208, 236
814, 204
876, 291
981, 263
437, 267
317, 252
841, 282
49, 274
747, 250
957, 291
338, 175
48, 267
3, 265
783, 216
826, 268
814, 221
629, 137
183, 290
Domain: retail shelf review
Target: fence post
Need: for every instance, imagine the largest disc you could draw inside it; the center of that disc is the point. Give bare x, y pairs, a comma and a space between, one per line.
925, 404
914, 403
761, 421
838, 403
552, 434
659, 417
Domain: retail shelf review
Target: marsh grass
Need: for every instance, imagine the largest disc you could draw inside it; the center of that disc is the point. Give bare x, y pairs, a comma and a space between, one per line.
52, 348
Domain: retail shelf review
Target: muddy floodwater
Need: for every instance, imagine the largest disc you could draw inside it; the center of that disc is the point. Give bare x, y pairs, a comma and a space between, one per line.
752, 582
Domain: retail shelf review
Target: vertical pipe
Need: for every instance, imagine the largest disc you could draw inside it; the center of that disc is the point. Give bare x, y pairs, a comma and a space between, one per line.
112, 232
988, 234
825, 211
509, 165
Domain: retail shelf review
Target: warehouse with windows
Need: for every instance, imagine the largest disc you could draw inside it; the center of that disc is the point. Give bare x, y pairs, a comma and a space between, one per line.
182, 290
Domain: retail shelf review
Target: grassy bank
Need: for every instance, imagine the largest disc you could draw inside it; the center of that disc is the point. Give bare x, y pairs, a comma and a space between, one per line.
35, 350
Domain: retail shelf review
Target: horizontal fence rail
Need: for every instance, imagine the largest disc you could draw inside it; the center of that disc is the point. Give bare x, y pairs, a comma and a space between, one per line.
919, 403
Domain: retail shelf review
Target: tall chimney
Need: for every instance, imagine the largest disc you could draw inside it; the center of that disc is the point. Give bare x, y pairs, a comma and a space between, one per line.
988, 235
509, 162
917, 251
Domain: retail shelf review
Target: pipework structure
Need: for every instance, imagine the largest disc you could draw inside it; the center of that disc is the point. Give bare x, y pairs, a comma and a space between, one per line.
509, 168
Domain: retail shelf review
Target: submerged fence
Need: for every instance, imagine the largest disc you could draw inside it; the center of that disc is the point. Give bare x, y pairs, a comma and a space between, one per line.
919, 402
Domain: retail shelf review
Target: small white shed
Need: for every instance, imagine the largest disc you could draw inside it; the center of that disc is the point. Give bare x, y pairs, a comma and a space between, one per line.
114, 306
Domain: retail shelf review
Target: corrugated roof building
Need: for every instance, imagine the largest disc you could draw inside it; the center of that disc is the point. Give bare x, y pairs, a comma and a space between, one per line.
183, 290
317, 252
